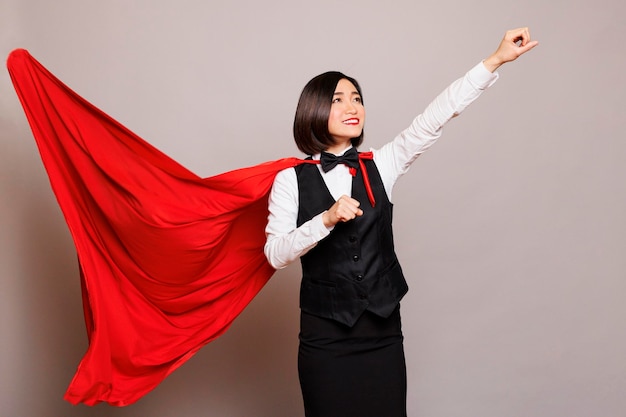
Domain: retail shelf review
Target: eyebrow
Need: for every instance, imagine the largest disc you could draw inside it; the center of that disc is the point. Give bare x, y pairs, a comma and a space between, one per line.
339, 93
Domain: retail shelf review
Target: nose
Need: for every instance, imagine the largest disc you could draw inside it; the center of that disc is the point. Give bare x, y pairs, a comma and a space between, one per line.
350, 107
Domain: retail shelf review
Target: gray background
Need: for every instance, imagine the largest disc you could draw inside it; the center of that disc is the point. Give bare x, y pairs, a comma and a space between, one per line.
511, 229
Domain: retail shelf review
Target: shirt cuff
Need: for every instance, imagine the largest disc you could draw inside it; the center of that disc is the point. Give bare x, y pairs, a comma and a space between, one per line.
481, 77
318, 229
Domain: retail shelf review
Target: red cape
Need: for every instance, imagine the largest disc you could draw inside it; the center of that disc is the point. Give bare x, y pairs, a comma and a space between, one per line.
167, 259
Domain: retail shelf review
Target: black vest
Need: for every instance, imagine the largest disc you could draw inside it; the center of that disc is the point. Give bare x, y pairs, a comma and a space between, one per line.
355, 268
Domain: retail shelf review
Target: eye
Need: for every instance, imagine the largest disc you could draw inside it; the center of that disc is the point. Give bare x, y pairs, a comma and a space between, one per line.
358, 100
336, 100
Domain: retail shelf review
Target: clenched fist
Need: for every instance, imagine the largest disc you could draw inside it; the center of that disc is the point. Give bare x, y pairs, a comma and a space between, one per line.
344, 209
515, 43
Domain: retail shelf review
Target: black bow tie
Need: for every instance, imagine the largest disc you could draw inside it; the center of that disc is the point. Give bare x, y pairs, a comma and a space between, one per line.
349, 158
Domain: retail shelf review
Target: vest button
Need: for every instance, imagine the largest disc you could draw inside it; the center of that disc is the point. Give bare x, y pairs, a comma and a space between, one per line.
352, 239
359, 277
355, 258
362, 296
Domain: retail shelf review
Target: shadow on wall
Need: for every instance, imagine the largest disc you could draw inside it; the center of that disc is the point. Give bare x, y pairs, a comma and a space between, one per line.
45, 338
43, 333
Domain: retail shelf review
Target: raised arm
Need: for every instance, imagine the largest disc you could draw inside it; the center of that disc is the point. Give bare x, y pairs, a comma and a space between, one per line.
394, 158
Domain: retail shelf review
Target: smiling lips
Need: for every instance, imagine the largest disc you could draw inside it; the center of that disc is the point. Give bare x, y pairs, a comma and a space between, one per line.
351, 122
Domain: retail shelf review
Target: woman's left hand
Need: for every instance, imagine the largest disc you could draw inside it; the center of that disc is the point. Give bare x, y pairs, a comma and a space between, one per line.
515, 43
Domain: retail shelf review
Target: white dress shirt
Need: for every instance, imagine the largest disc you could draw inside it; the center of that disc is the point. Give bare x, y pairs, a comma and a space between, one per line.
286, 242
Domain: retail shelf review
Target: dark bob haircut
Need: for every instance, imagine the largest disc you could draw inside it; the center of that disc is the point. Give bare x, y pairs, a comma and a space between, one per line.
310, 126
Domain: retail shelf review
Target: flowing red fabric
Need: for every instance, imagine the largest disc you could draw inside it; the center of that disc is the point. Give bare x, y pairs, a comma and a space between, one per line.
167, 259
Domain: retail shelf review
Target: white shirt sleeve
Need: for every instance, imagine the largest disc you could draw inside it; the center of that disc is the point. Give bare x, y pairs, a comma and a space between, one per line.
286, 242
395, 158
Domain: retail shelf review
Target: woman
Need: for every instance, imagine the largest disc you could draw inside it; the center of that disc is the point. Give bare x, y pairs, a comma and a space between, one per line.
336, 217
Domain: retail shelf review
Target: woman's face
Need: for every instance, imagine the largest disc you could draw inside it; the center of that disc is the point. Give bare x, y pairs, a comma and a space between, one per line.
347, 114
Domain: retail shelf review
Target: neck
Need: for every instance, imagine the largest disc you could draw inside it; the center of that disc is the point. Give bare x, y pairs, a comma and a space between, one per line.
338, 149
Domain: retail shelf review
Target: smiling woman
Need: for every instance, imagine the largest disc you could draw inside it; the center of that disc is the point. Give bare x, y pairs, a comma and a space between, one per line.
347, 115
318, 102
169, 259
337, 218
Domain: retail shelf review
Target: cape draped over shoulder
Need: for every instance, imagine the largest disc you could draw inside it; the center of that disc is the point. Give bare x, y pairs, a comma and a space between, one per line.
167, 259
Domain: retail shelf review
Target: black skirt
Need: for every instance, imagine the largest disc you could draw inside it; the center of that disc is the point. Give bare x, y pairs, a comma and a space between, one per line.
356, 371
